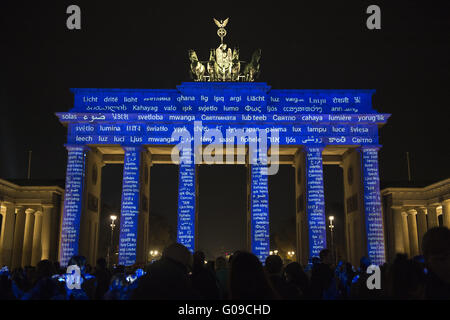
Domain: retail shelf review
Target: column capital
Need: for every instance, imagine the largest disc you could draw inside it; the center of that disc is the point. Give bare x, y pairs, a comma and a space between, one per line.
18, 208
397, 207
404, 214
47, 206
38, 213
29, 211
421, 209
411, 211
445, 201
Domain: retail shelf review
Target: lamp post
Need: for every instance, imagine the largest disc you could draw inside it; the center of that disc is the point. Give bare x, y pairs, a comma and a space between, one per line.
331, 226
153, 254
291, 254
111, 248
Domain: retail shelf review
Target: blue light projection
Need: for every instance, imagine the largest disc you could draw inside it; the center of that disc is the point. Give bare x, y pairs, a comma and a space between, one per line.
372, 205
130, 206
260, 241
309, 118
186, 201
70, 228
315, 200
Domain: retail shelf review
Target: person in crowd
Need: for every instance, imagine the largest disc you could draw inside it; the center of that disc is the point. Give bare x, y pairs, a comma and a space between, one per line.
118, 288
44, 286
311, 263
345, 275
248, 279
407, 279
359, 288
118, 269
323, 281
6, 290
436, 251
222, 275
203, 279
273, 267
20, 283
294, 275
58, 268
103, 277
88, 282
168, 278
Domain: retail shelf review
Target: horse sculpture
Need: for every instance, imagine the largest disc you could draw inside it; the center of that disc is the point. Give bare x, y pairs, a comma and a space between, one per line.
224, 65
251, 70
197, 68
211, 65
236, 65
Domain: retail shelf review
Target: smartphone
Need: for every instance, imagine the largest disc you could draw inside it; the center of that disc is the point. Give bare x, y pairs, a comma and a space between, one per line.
131, 278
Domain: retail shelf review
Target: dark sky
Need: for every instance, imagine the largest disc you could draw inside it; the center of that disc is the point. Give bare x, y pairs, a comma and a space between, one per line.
305, 44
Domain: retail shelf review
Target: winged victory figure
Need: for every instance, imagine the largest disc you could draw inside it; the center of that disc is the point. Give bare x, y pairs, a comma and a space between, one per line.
221, 23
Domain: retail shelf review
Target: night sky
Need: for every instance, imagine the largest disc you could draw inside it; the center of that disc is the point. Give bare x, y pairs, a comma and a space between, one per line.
305, 44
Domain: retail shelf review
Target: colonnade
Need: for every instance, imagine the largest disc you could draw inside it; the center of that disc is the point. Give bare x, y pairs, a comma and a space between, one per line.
27, 234
412, 222
80, 217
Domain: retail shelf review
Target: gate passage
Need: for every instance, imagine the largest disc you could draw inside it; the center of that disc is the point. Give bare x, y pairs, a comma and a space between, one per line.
305, 125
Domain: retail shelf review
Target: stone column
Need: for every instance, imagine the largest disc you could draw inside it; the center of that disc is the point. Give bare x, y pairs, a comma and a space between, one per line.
19, 227
372, 205
197, 198
129, 212
356, 244
144, 209
186, 200
248, 227
412, 228
90, 215
406, 233
46, 231
301, 221
432, 217
399, 243
37, 236
259, 198
28, 237
446, 213
73, 202
7, 233
315, 201
421, 225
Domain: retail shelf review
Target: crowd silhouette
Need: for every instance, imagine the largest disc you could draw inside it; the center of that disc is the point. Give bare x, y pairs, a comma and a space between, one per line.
180, 275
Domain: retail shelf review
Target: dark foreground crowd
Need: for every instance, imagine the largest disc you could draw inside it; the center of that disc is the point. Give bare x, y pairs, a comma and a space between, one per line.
179, 275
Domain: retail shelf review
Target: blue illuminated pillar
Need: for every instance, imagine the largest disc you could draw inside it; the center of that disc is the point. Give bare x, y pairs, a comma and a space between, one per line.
130, 206
372, 205
73, 201
259, 206
315, 201
186, 201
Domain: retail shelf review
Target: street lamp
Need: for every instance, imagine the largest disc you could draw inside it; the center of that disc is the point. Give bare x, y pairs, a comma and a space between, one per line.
153, 253
331, 226
112, 225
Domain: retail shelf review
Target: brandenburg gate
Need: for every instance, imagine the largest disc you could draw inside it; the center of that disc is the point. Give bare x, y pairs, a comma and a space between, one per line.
261, 128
